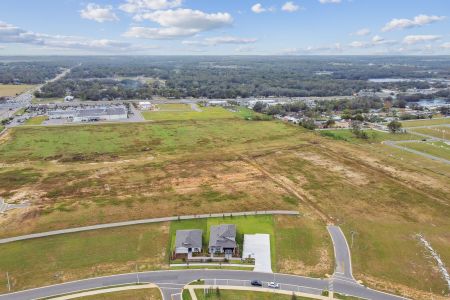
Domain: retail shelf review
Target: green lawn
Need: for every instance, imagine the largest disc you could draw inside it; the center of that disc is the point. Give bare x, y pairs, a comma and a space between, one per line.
174, 106
50, 260
36, 120
142, 294
86, 142
438, 149
425, 122
242, 295
374, 136
439, 131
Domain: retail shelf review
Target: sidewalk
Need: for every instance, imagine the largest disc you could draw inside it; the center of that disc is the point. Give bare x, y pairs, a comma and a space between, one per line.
254, 289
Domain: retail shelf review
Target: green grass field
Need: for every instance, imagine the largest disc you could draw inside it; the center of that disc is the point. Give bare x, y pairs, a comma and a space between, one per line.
374, 136
425, 122
52, 260
439, 131
207, 113
142, 294
174, 107
46, 100
439, 149
36, 120
90, 141
242, 295
13, 89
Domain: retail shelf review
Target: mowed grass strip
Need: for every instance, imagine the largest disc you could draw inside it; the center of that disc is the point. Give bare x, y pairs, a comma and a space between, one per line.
10, 90
426, 122
90, 141
142, 294
438, 149
213, 294
57, 259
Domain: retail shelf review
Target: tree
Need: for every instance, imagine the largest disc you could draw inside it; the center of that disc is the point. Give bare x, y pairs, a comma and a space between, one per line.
445, 110
330, 123
357, 131
308, 124
394, 126
259, 106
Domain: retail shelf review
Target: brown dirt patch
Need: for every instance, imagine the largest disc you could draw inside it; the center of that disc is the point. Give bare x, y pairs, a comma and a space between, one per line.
350, 174
297, 267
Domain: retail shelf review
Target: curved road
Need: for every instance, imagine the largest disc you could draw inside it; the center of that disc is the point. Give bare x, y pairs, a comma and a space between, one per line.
172, 283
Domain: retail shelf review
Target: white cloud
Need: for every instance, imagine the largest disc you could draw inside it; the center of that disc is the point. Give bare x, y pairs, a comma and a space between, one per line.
414, 39
446, 45
244, 49
13, 34
138, 6
219, 40
417, 21
98, 13
290, 7
258, 8
362, 32
330, 1
358, 44
178, 23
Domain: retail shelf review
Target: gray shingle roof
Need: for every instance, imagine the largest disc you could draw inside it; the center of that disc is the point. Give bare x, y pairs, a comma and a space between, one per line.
189, 238
223, 235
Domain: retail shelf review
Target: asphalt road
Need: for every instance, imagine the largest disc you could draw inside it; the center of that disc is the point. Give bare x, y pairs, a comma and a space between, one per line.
172, 282
144, 221
343, 267
396, 145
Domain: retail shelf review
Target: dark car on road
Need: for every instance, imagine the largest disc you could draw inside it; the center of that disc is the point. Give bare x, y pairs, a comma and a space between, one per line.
256, 283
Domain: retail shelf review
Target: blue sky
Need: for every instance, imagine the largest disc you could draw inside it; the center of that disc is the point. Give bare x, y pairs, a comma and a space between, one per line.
224, 27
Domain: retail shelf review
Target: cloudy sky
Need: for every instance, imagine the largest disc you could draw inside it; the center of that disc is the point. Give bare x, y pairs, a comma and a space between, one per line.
224, 27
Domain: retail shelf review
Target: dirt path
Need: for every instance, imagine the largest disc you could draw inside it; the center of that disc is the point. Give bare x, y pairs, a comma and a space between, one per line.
290, 188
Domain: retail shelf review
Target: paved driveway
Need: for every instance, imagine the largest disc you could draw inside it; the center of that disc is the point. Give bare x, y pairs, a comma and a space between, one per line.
257, 246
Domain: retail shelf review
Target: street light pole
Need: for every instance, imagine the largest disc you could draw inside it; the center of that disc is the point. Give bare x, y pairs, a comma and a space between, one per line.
9, 284
353, 233
137, 274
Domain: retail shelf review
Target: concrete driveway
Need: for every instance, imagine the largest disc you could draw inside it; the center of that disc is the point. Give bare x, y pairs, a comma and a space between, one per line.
257, 246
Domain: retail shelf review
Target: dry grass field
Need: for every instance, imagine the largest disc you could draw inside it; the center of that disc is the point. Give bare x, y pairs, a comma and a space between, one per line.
102, 173
13, 89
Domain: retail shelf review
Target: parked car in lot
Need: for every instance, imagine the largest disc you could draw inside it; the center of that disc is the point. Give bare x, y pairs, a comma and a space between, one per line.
256, 283
273, 285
